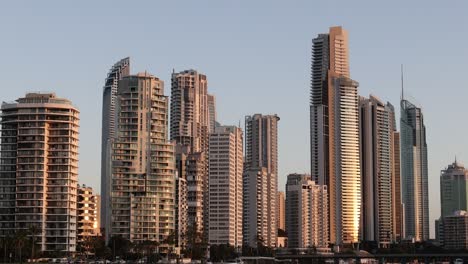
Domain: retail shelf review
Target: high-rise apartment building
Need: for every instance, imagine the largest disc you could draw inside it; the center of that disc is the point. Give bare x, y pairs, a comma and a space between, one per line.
377, 121
189, 110
39, 169
255, 225
181, 206
306, 212
109, 120
190, 126
197, 184
181, 213
397, 207
225, 186
143, 166
211, 113
88, 213
334, 134
260, 179
414, 172
281, 211
453, 189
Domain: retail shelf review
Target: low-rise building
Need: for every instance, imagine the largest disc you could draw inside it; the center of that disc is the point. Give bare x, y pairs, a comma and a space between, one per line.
88, 213
455, 231
306, 212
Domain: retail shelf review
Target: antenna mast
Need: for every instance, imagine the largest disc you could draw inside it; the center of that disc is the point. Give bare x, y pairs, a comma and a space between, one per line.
402, 90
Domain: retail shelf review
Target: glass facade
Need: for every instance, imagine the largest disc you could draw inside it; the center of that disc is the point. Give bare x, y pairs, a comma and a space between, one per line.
414, 172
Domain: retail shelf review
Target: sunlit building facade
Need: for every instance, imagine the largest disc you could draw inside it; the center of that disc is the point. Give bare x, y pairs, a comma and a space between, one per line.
211, 113
143, 163
376, 121
281, 211
181, 205
334, 133
109, 120
190, 127
261, 180
306, 212
225, 186
39, 170
88, 213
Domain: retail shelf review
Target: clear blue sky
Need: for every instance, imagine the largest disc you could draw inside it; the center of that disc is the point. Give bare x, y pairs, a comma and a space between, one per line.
256, 55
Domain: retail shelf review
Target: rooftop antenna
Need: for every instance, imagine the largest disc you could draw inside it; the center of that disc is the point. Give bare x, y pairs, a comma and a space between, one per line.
402, 90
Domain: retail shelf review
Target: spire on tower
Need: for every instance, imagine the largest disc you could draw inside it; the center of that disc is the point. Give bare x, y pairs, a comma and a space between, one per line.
402, 90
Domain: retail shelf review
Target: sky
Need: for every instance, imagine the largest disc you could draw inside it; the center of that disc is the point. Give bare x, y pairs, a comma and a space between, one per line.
256, 55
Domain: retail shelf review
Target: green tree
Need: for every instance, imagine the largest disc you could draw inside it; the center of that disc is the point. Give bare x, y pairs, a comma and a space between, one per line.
170, 242
147, 248
262, 249
100, 249
6, 243
20, 241
222, 252
33, 232
196, 244
119, 246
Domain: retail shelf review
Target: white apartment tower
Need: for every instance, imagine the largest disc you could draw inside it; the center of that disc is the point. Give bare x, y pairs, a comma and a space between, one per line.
377, 121
225, 186
190, 127
39, 169
260, 180
143, 169
189, 110
306, 212
109, 120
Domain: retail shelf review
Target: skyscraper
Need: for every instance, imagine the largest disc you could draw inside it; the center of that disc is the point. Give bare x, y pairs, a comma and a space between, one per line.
39, 169
334, 133
109, 120
397, 207
260, 179
189, 110
211, 113
414, 171
143, 169
306, 212
225, 186
453, 189
377, 121
281, 211
190, 126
